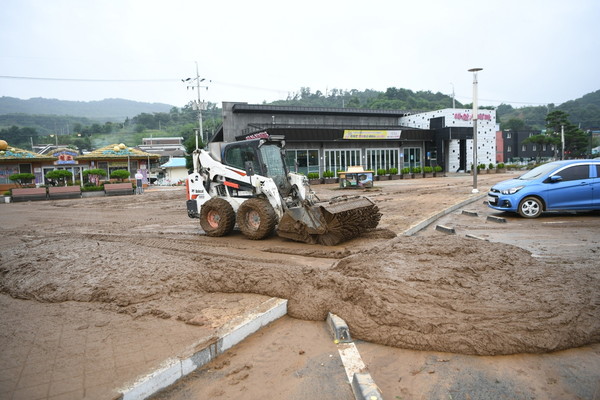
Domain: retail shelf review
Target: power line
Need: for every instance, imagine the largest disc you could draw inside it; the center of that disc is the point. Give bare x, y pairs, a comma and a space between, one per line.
84, 79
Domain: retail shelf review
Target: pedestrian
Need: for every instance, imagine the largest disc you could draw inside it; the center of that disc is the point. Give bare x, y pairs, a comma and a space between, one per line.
139, 182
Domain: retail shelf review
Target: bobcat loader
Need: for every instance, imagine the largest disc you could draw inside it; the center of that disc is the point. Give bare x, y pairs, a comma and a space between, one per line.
248, 183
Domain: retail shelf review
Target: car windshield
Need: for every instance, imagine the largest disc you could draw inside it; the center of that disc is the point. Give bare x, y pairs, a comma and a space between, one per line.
537, 172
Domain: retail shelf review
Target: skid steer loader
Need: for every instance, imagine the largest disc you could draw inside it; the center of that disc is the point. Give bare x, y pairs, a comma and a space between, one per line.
248, 183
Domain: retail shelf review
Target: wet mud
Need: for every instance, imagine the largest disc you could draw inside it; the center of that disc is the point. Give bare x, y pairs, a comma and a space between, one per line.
135, 254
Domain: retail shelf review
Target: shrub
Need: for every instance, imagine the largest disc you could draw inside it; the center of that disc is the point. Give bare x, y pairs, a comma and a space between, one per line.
405, 171
60, 175
427, 170
500, 165
21, 179
491, 166
120, 174
416, 170
328, 174
437, 168
393, 171
381, 171
91, 188
313, 175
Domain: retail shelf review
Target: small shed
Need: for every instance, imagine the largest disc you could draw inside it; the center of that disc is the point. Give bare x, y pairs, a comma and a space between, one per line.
175, 170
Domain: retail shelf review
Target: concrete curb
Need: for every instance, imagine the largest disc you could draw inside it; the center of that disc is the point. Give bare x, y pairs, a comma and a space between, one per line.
424, 224
445, 229
363, 386
339, 329
493, 218
228, 336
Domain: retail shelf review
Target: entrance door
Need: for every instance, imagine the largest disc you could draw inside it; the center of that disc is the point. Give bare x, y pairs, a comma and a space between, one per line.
412, 157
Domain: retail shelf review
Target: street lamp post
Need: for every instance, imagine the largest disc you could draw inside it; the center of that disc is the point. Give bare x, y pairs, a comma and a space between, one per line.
475, 112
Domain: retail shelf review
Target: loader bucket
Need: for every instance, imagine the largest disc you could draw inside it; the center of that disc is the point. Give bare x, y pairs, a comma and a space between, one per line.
330, 223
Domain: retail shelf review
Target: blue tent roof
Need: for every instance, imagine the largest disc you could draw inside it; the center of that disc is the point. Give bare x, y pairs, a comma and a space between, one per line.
174, 162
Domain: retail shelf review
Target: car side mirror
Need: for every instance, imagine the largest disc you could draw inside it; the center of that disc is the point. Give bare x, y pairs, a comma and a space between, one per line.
555, 178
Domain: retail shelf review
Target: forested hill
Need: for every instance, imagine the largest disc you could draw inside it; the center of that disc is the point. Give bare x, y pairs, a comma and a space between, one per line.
115, 110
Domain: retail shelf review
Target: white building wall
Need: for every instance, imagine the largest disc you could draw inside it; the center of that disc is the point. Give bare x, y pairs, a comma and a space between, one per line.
459, 117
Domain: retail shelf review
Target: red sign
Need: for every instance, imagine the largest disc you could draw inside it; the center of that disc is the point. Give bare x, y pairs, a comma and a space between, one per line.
468, 117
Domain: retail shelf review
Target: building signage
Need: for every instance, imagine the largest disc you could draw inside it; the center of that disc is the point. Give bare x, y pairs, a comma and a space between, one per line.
65, 158
371, 135
468, 117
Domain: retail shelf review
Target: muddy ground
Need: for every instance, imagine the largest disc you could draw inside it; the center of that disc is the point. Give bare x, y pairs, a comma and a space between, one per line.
142, 256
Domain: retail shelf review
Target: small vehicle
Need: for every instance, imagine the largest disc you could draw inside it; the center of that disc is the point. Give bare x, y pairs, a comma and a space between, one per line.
248, 183
559, 185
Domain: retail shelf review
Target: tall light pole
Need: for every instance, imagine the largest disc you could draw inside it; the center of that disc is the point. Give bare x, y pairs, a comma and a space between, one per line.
475, 112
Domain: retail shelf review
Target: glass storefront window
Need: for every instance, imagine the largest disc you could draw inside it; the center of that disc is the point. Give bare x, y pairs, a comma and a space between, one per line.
340, 160
382, 159
302, 161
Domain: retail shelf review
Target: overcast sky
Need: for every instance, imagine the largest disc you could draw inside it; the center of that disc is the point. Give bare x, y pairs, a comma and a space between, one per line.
532, 52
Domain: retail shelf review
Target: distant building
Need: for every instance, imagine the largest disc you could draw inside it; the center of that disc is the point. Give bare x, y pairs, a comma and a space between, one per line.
166, 148
175, 171
320, 139
515, 151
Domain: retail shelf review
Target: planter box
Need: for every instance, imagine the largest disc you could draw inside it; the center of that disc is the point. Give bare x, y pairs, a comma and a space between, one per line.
95, 193
500, 170
29, 194
331, 180
64, 192
427, 174
118, 189
395, 177
315, 181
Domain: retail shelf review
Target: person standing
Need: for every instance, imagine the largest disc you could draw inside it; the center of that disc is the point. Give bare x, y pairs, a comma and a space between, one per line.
139, 182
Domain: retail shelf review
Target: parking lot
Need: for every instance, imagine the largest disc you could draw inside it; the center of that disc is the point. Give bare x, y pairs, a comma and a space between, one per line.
98, 292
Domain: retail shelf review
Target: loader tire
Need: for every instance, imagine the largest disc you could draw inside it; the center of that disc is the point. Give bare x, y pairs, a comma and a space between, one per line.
256, 218
217, 217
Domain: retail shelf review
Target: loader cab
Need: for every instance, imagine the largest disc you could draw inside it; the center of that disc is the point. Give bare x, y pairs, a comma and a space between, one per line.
259, 157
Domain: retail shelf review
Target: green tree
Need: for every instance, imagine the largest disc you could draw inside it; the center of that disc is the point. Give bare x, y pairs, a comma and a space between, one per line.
514, 124
94, 175
60, 175
576, 141
22, 179
120, 174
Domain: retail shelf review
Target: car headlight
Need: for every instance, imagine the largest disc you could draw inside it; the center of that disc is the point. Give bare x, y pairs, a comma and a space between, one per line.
512, 190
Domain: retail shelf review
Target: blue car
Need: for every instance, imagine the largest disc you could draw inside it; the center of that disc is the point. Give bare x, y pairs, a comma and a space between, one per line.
559, 185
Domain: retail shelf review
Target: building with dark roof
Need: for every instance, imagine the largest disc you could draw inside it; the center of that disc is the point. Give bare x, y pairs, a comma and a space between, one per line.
322, 139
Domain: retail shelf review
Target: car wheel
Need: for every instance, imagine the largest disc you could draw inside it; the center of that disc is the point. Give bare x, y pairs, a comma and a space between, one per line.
256, 218
530, 207
217, 217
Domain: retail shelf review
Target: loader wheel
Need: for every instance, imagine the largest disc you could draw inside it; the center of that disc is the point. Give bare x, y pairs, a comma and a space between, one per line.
256, 218
217, 217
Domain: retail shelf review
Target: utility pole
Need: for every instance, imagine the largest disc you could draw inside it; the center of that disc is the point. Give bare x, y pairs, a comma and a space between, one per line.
198, 105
